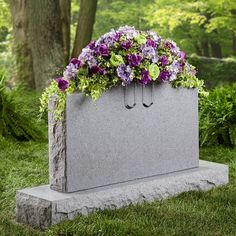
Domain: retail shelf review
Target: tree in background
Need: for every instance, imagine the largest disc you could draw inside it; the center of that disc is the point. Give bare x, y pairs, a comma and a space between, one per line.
21, 48
85, 25
209, 24
41, 30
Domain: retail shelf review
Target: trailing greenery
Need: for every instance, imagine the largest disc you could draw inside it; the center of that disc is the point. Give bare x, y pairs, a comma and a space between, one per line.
53, 90
213, 71
13, 123
218, 116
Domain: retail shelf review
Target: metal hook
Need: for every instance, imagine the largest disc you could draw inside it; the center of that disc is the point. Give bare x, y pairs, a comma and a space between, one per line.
144, 104
125, 93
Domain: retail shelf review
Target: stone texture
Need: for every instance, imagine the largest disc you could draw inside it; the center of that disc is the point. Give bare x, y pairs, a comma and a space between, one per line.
57, 148
107, 143
41, 206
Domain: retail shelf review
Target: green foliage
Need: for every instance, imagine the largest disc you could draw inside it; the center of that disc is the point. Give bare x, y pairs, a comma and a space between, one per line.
14, 124
192, 23
190, 81
218, 117
53, 90
214, 71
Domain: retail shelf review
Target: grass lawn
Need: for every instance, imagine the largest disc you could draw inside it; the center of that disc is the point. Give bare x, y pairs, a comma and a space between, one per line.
194, 213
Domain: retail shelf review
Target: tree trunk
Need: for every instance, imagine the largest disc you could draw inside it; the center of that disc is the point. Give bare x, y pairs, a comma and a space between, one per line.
45, 40
24, 63
205, 48
65, 6
85, 25
216, 50
198, 49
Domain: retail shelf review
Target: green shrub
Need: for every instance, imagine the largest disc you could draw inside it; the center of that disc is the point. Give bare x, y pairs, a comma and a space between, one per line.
218, 116
15, 124
215, 72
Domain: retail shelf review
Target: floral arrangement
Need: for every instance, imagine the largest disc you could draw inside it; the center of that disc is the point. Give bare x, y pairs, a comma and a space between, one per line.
121, 57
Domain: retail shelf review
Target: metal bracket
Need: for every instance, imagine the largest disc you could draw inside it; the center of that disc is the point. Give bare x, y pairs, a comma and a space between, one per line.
125, 97
144, 104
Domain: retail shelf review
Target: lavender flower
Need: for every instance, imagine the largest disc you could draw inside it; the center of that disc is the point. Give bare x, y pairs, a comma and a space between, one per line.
182, 55
62, 83
154, 36
125, 73
145, 77
134, 60
150, 53
128, 31
102, 50
87, 56
71, 71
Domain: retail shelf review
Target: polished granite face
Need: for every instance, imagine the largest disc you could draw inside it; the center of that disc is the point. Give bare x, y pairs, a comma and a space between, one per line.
107, 143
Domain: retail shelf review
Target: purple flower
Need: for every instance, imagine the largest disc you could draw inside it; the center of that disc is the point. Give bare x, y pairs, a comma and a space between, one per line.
174, 67
126, 44
117, 36
97, 70
134, 60
172, 47
145, 77
151, 43
128, 31
71, 71
87, 56
150, 53
102, 50
182, 55
62, 83
91, 45
76, 62
125, 73
164, 60
164, 76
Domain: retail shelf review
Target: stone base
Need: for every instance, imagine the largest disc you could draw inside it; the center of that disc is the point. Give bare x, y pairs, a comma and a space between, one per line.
42, 207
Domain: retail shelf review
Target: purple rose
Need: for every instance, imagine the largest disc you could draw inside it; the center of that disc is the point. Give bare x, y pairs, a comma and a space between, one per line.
164, 76
91, 45
151, 43
126, 45
117, 36
134, 60
76, 62
102, 50
145, 77
164, 60
62, 83
125, 73
97, 70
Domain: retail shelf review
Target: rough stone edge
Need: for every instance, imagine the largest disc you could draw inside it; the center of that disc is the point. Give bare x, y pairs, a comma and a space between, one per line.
30, 208
33, 211
57, 148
